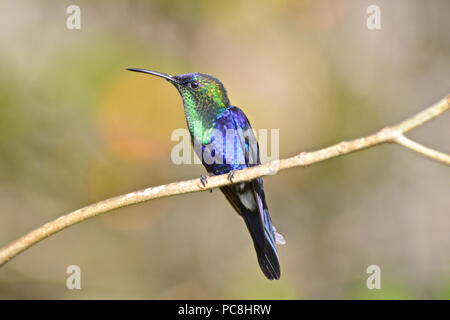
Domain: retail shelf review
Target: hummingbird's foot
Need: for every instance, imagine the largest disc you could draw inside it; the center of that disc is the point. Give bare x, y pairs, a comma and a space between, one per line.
231, 176
204, 180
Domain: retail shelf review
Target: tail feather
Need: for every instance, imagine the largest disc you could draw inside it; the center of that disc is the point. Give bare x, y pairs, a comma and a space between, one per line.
264, 246
259, 225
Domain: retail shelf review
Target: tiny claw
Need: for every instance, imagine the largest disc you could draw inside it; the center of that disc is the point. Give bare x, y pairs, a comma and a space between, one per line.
204, 180
231, 176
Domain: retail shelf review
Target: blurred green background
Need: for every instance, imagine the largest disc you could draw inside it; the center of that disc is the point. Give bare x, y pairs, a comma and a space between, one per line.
75, 128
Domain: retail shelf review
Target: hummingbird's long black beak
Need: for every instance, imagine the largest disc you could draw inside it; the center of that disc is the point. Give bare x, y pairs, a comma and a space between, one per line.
155, 73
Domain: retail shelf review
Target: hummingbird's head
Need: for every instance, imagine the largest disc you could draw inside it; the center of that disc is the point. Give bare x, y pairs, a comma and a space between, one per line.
200, 92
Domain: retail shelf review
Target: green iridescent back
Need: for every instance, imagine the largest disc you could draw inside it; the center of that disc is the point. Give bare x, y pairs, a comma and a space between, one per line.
202, 104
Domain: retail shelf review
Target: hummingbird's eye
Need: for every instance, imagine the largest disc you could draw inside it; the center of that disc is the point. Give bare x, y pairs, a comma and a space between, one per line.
193, 84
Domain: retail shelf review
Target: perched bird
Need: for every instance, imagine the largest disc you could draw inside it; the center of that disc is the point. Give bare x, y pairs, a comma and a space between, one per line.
223, 138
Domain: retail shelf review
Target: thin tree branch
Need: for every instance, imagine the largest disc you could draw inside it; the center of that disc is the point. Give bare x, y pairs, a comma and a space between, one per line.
427, 152
393, 134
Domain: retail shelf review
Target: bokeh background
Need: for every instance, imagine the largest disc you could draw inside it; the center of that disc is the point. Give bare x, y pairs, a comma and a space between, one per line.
75, 128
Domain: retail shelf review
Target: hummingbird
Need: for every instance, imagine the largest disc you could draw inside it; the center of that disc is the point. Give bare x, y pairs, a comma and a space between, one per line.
224, 140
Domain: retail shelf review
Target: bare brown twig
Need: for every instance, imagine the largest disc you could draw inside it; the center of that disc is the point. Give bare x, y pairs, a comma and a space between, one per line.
394, 134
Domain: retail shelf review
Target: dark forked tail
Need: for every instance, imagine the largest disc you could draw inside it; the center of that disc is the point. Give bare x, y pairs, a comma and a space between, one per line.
264, 243
249, 201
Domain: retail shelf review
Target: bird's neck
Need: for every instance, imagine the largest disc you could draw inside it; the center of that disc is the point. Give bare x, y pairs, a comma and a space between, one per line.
201, 121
